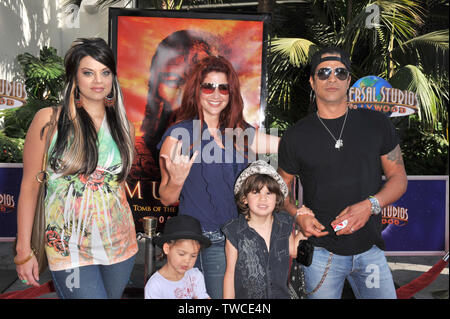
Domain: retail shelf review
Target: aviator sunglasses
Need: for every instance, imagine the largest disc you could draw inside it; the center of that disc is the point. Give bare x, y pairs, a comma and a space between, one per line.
209, 88
340, 73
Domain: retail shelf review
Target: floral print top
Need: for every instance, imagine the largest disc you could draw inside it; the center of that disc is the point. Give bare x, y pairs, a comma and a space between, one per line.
88, 218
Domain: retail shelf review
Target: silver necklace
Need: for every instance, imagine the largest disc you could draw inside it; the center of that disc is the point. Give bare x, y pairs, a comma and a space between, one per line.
339, 141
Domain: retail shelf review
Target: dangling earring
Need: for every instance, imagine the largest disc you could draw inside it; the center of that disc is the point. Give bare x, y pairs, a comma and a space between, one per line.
312, 97
110, 99
76, 97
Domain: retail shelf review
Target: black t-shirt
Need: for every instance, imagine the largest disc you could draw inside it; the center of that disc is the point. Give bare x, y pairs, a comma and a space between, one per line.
333, 179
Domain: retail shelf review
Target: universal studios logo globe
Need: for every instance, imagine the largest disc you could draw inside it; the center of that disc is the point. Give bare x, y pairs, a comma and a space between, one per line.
375, 93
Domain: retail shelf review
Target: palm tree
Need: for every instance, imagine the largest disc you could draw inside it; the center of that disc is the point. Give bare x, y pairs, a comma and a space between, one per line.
382, 38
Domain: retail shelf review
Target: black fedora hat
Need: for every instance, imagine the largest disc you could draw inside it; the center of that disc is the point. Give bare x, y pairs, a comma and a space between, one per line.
182, 227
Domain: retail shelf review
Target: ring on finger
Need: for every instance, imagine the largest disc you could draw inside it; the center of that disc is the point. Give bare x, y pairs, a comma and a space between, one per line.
24, 281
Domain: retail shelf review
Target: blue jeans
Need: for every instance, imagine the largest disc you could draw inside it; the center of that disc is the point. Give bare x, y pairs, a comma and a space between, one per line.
368, 274
93, 281
212, 262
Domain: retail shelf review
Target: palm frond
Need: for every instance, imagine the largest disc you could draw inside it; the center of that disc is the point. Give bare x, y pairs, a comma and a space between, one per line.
99, 3
287, 56
432, 108
297, 50
439, 39
430, 51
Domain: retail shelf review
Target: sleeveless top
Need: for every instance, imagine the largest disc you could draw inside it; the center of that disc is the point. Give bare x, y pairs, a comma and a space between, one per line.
88, 218
261, 273
207, 193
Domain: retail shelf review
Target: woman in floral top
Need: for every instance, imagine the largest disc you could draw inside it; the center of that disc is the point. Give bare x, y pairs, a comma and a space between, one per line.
90, 233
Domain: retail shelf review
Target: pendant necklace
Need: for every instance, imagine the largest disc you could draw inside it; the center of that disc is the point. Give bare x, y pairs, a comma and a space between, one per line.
339, 141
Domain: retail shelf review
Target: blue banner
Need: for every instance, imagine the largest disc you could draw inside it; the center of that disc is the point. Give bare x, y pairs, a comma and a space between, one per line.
418, 222
10, 179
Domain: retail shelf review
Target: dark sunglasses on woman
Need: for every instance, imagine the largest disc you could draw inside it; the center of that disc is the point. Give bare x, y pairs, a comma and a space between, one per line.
340, 73
209, 88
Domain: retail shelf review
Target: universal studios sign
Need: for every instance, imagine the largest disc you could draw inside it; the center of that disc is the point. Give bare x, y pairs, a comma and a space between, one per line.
12, 94
372, 92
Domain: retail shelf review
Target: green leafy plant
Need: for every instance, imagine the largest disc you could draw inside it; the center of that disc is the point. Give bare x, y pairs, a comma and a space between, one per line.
44, 80
424, 153
10, 149
44, 75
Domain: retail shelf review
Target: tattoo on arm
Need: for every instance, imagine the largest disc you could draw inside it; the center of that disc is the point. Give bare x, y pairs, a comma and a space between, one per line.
396, 155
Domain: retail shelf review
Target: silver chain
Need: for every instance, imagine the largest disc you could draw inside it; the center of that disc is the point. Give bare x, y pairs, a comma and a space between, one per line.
325, 273
339, 141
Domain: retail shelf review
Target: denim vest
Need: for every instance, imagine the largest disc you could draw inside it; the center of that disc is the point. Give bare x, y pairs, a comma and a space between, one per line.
261, 274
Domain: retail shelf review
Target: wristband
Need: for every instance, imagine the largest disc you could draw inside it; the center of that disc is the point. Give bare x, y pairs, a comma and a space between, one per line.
300, 213
18, 263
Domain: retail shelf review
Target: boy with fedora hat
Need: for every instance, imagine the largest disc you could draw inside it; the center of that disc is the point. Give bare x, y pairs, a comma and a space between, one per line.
181, 242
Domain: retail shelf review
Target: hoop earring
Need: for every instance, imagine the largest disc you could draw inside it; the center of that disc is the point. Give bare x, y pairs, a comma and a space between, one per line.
110, 99
76, 97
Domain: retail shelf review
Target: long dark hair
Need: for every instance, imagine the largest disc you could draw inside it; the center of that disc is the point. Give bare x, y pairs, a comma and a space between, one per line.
75, 150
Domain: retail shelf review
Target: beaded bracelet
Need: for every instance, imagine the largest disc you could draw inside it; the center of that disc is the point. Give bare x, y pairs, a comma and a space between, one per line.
25, 260
300, 213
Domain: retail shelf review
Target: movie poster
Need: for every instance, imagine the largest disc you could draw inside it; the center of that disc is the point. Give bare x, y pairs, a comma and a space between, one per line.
155, 50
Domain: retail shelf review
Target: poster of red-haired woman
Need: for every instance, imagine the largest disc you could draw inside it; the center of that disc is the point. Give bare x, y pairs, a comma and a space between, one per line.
155, 51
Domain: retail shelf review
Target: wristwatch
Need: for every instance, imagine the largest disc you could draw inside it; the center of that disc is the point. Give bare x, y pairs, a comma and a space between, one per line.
376, 208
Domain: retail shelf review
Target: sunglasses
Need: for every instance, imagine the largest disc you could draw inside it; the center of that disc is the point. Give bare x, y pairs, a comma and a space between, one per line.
209, 88
340, 73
